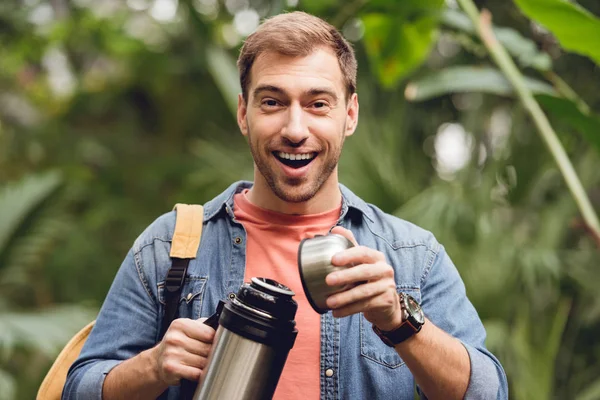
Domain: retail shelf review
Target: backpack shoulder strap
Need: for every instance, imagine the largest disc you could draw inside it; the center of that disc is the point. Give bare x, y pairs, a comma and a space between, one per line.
184, 246
52, 386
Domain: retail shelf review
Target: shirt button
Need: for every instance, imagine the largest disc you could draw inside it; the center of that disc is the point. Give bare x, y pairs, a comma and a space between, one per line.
189, 297
329, 372
238, 240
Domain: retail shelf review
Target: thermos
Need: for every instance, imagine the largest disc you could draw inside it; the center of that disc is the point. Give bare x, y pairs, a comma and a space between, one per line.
314, 264
255, 332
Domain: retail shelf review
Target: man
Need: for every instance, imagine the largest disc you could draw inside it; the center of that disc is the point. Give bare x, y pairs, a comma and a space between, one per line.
298, 104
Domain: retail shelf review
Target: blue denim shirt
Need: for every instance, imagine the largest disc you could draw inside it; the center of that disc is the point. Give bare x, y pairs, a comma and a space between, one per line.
363, 366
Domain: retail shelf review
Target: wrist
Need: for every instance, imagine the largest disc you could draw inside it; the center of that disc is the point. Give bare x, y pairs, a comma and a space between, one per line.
393, 323
411, 321
150, 358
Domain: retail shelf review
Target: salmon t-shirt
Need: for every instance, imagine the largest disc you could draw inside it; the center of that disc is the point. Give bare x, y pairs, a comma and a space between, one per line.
272, 241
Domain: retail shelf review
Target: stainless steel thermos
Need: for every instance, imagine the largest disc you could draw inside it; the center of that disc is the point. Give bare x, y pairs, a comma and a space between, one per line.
255, 332
314, 263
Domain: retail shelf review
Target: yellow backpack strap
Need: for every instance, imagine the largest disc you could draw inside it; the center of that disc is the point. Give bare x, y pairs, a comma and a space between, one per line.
52, 386
188, 230
186, 240
184, 246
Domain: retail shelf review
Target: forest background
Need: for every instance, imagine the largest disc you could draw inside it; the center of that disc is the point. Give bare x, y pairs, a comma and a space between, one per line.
112, 111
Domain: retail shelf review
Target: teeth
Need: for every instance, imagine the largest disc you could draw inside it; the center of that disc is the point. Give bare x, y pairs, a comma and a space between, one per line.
289, 156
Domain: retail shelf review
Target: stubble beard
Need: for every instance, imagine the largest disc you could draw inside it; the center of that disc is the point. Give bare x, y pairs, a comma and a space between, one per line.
305, 190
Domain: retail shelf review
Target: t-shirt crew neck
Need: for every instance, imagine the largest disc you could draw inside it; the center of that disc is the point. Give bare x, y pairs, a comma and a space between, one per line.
272, 241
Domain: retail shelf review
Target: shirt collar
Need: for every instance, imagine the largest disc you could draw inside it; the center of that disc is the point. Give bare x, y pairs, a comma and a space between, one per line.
224, 201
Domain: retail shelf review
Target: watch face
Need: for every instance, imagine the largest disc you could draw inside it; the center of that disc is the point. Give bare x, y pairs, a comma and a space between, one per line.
414, 309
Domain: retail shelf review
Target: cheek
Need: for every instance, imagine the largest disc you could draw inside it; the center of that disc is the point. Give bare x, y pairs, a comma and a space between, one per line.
267, 124
329, 129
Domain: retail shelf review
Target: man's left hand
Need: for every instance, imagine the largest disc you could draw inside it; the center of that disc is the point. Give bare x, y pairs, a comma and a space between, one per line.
375, 292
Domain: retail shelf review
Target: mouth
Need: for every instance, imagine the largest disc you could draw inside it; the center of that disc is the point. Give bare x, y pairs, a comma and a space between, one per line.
295, 160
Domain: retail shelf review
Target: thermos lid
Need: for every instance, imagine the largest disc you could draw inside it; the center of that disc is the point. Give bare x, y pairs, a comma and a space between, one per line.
270, 297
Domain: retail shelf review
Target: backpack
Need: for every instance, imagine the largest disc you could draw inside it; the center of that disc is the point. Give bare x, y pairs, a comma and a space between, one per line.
184, 246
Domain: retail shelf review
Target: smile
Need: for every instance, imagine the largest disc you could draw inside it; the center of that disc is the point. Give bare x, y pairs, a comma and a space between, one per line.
295, 160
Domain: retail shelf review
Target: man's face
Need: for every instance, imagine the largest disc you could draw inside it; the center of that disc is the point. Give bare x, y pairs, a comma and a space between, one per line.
296, 119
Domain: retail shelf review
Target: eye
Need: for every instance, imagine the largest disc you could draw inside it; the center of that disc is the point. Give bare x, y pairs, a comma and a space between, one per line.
269, 103
320, 105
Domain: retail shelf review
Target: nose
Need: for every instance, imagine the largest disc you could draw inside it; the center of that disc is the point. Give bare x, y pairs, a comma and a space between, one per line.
295, 130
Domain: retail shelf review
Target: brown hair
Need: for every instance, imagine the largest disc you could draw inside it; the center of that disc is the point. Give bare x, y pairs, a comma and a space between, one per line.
296, 34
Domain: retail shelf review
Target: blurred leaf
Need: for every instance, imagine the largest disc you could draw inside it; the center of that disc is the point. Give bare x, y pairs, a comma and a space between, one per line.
576, 29
591, 392
567, 111
18, 199
462, 79
317, 7
224, 72
7, 386
522, 48
221, 162
45, 331
396, 46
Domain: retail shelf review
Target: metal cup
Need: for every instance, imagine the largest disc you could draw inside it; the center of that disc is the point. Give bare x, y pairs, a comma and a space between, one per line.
314, 263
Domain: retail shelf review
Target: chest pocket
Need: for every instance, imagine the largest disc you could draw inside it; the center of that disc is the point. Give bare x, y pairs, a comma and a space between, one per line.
192, 294
372, 347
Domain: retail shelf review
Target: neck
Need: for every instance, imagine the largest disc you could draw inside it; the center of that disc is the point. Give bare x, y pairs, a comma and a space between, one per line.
327, 198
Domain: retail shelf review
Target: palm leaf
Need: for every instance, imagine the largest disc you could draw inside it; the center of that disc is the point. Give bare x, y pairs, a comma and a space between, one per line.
591, 392
8, 385
19, 199
44, 331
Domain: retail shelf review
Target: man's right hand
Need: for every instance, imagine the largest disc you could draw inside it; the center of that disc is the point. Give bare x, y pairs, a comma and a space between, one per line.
183, 352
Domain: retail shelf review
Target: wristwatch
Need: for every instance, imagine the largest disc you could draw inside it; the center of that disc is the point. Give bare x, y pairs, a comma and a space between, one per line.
412, 321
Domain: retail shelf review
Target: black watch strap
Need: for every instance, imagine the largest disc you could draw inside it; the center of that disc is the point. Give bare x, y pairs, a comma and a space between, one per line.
413, 320
398, 335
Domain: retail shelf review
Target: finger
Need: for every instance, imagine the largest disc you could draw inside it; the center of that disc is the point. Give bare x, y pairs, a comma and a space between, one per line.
360, 293
173, 370
357, 255
355, 308
178, 338
194, 329
189, 373
194, 360
360, 274
339, 230
384, 305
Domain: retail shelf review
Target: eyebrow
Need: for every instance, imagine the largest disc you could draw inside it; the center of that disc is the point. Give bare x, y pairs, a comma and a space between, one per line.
311, 92
267, 88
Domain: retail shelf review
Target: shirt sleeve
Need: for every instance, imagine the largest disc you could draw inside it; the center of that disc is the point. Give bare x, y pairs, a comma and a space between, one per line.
126, 325
445, 303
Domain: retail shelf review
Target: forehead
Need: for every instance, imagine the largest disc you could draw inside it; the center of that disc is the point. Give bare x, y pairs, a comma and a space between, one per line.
320, 68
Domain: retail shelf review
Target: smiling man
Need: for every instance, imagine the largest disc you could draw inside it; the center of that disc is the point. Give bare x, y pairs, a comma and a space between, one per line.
409, 324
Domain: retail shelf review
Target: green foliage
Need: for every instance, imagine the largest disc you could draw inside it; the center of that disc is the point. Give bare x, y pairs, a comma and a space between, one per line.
396, 46
590, 393
30, 228
523, 49
7, 383
575, 28
397, 38
19, 199
459, 79
44, 331
567, 112
222, 68
150, 122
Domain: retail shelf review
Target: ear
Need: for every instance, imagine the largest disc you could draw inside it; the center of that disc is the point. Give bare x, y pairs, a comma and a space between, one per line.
241, 115
352, 114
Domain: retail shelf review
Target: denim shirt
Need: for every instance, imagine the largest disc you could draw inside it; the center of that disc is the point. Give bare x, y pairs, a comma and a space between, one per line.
355, 363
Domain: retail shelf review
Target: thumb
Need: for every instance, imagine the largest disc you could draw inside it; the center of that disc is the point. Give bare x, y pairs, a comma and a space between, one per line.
345, 233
